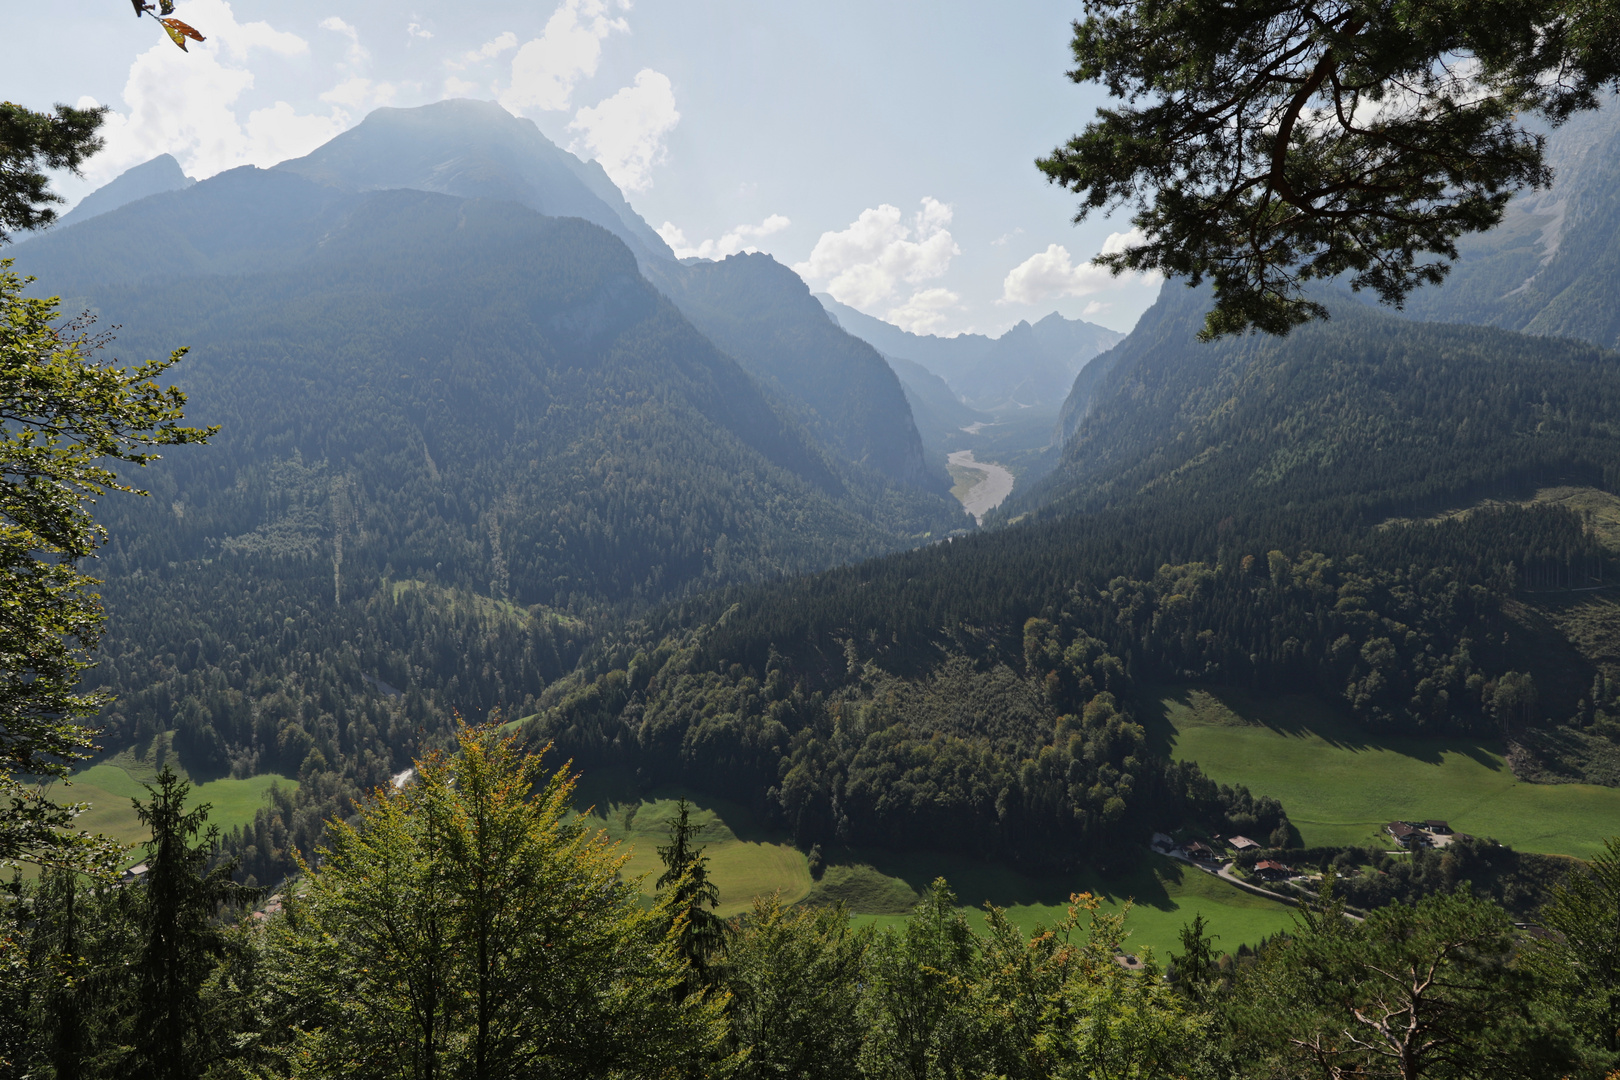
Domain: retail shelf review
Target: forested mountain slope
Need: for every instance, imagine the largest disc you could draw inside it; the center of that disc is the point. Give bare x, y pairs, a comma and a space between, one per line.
1368, 410
450, 429
752, 307
760, 312
1223, 516
941, 417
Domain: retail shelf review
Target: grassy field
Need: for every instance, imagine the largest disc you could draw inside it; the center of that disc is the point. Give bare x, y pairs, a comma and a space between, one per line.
743, 863
878, 887
1164, 895
1340, 785
109, 785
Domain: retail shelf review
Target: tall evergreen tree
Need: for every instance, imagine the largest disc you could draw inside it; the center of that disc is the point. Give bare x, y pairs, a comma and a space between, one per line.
181, 940
1265, 144
1582, 959
691, 896
69, 419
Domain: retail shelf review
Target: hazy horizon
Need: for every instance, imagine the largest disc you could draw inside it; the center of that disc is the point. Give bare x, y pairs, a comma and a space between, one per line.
706, 119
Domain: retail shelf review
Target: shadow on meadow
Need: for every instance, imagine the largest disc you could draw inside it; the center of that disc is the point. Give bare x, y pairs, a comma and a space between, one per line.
1301, 716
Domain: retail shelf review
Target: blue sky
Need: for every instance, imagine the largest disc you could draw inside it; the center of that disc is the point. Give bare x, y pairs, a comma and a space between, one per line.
882, 148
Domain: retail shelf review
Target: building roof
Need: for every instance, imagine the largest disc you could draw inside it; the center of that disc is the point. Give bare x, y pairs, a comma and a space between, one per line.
1400, 829
1242, 843
1437, 826
1272, 864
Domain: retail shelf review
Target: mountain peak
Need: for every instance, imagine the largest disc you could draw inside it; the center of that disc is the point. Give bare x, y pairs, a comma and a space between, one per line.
476, 149
162, 174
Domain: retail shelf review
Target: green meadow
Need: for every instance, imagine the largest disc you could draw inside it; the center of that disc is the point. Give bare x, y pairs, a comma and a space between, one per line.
879, 887
1341, 785
110, 785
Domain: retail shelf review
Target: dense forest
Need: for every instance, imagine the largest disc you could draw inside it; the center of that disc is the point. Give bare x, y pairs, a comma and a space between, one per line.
1273, 536
1246, 514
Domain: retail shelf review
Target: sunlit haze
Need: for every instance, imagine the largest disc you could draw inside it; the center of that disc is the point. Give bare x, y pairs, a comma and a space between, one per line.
833, 136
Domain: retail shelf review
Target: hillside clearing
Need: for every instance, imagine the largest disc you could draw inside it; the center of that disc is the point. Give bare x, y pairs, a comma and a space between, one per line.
110, 785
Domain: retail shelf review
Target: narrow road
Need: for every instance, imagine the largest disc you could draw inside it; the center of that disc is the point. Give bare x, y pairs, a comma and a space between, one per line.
1225, 874
988, 493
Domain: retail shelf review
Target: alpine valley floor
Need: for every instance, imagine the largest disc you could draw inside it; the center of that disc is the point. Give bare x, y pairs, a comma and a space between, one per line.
880, 887
1341, 784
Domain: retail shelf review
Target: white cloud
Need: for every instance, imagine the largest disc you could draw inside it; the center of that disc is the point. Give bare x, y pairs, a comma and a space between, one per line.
185, 104
361, 94
626, 132
1096, 307
926, 312
417, 30
1119, 241
734, 242
489, 50
358, 53
546, 69
281, 132
864, 264
215, 19
1051, 274
454, 87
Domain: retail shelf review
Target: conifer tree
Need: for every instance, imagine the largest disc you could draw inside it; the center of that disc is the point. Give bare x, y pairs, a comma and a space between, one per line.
691, 896
180, 938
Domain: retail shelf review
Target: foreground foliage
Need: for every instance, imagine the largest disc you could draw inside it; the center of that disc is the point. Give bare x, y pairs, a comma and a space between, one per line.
468, 925
69, 420
1267, 144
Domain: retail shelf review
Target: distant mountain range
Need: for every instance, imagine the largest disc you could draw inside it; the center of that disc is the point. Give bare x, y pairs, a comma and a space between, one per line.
1029, 366
161, 174
834, 383
476, 150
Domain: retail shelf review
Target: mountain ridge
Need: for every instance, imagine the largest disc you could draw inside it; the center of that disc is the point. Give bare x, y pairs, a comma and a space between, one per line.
1030, 365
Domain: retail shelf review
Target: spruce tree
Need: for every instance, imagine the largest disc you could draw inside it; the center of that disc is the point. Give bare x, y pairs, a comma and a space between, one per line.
692, 896
180, 937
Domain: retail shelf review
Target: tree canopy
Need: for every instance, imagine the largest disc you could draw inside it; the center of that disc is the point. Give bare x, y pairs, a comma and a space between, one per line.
68, 418
31, 143
1269, 143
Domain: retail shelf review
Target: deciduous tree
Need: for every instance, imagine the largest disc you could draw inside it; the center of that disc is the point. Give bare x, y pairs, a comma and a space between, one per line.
469, 924
68, 419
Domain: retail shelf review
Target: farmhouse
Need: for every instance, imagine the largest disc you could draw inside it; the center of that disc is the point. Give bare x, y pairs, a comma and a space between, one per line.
1438, 827
1243, 843
1404, 833
1198, 850
1271, 870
